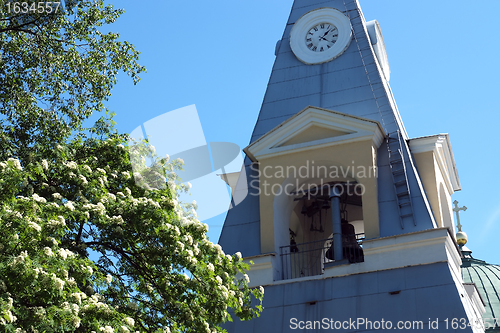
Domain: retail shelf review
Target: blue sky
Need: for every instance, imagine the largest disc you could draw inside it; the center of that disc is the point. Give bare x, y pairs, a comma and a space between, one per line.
219, 54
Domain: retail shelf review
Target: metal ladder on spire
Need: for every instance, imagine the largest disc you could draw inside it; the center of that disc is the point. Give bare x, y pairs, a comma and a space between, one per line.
399, 178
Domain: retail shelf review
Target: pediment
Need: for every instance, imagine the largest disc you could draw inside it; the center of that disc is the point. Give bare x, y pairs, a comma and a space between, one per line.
312, 133
440, 146
314, 128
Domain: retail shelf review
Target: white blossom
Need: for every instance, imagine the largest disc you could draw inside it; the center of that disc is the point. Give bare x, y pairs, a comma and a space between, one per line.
121, 146
55, 223
69, 205
20, 258
87, 168
71, 165
129, 321
238, 255
10, 317
57, 196
261, 290
210, 266
48, 251
65, 253
45, 164
83, 179
188, 239
16, 163
76, 322
219, 249
185, 221
58, 283
34, 226
117, 219
109, 278
38, 198
107, 329
53, 240
247, 279
79, 297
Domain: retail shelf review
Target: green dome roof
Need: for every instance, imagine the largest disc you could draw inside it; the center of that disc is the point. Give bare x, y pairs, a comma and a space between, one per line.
487, 280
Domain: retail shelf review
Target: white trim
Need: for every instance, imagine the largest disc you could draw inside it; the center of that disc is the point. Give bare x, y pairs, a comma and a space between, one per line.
377, 41
441, 147
231, 179
310, 19
261, 272
357, 129
412, 249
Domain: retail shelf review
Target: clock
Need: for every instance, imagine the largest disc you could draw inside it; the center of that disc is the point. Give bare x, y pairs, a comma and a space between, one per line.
320, 35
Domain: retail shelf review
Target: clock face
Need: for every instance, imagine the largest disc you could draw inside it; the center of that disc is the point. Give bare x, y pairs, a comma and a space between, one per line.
321, 37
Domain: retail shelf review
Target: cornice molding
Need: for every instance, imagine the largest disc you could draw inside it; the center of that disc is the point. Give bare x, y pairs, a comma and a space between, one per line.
440, 146
356, 129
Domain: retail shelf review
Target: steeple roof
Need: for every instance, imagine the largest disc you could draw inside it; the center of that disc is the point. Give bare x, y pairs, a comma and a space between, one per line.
355, 84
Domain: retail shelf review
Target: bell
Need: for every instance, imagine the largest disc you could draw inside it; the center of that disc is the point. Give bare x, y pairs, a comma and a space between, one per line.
293, 246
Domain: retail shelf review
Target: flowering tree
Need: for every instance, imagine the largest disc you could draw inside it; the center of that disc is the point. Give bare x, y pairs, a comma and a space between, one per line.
87, 245
92, 240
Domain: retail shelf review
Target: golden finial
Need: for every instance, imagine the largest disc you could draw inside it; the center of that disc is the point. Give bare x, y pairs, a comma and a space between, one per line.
461, 236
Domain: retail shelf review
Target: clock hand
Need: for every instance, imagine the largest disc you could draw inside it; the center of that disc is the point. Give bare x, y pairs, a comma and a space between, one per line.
326, 33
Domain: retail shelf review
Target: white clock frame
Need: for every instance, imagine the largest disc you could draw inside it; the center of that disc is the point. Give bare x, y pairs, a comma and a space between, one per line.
311, 19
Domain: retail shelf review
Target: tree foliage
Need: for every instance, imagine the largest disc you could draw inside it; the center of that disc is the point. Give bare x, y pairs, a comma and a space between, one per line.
86, 247
56, 69
93, 239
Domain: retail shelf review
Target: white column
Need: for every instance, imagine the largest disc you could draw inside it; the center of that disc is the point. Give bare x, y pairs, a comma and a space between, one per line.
336, 223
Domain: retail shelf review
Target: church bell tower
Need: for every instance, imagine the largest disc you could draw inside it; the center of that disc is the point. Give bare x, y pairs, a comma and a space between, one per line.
344, 216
